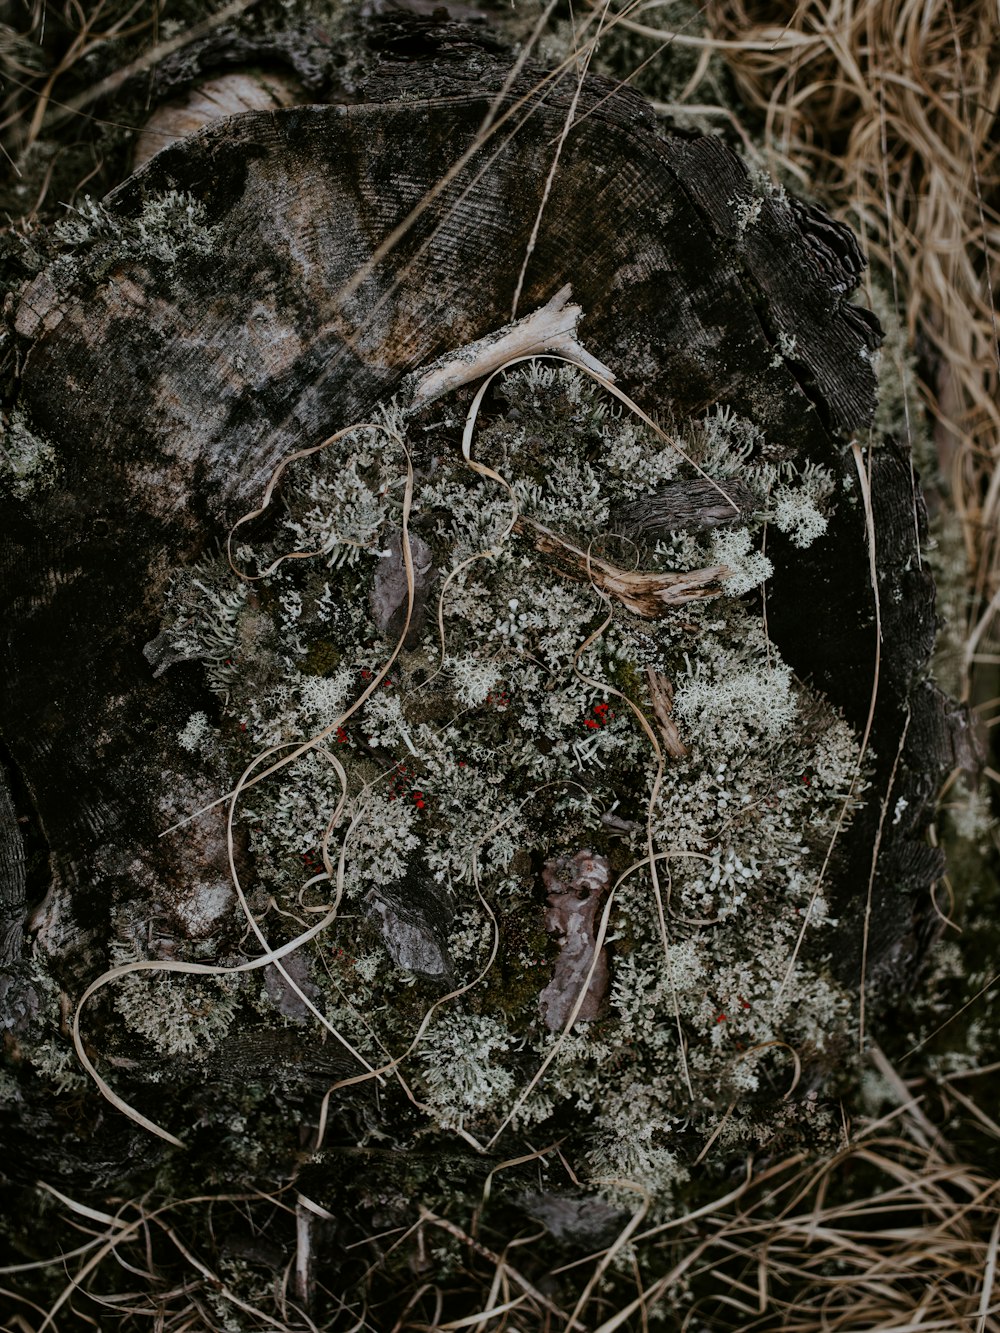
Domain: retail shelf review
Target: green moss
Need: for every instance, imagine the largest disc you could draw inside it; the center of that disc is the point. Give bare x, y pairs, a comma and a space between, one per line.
322, 659
625, 676
526, 956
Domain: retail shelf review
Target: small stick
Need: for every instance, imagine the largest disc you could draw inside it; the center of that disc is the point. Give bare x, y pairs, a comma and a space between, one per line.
661, 692
552, 328
645, 593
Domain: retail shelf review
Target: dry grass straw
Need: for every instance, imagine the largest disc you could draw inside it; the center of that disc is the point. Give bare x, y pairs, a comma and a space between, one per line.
887, 111
889, 1231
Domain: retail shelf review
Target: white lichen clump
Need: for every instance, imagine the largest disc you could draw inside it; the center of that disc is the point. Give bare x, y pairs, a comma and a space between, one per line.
170, 227
462, 1076
800, 510
471, 761
196, 734
178, 1015
746, 211
28, 461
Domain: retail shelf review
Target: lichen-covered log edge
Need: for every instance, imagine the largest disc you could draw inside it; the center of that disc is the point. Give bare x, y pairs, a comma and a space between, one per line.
74, 533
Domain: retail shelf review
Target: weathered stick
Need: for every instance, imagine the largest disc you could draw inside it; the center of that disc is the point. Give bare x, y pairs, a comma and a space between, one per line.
551, 328
661, 692
687, 506
644, 592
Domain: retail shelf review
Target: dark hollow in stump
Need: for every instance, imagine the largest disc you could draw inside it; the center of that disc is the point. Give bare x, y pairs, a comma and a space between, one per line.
323, 253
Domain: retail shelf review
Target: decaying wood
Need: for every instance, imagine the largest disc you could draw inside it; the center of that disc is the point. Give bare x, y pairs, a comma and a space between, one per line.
576, 887
414, 924
686, 506
13, 879
646, 594
211, 100
359, 324
661, 694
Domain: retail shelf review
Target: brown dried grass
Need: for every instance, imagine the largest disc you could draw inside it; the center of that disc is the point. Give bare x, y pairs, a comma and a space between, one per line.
891, 1230
887, 110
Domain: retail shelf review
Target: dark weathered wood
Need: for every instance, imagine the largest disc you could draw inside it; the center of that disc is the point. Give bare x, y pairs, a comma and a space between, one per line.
686, 506
13, 879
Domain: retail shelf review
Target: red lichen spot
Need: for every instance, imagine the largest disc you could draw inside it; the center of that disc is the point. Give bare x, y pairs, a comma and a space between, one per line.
722, 1019
602, 716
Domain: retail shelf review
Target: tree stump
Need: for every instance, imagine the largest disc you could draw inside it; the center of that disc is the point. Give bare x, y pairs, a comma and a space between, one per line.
249, 291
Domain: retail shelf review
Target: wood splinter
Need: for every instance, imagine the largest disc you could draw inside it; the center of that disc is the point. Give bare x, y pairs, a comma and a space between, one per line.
661, 694
551, 328
645, 593
575, 887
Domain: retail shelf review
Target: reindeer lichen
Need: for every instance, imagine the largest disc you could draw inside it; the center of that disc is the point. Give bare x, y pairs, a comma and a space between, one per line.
170, 227
28, 461
179, 1016
524, 736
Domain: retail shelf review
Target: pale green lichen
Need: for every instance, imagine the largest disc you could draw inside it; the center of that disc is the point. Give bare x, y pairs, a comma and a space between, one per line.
170, 227
40, 1034
463, 766
898, 413
196, 734
178, 1015
208, 615
463, 1072
799, 509
55, 1061
747, 213
748, 567
29, 463
787, 344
